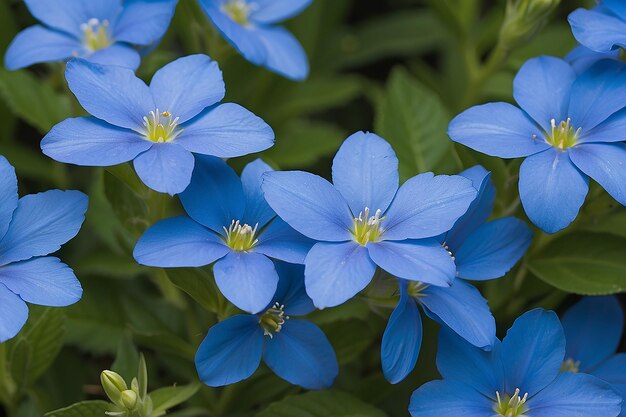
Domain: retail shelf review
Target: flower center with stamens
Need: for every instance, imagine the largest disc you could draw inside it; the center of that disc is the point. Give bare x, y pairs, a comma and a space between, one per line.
511, 406
238, 10
241, 237
416, 289
161, 127
273, 319
367, 228
570, 365
563, 135
95, 34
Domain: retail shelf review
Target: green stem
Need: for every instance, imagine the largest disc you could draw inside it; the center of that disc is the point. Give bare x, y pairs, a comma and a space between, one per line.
7, 385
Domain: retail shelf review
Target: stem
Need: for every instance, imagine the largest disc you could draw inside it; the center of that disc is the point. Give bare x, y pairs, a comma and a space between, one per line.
7, 385
478, 76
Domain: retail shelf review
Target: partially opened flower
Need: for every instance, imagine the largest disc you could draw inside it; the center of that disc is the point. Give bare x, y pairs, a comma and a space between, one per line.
229, 222
601, 29
32, 227
569, 127
296, 350
364, 220
520, 377
250, 27
157, 127
482, 250
103, 31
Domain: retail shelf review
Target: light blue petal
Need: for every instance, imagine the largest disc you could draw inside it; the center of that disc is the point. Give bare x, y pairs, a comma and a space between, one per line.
336, 272
593, 330
247, 279
283, 53
187, 86
144, 21
612, 129
165, 167
274, 11
365, 171
310, 204
8, 194
280, 241
42, 223
215, 196
492, 249
302, 355
179, 242
613, 370
416, 260
113, 94
576, 395
605, 163
44, 281
117, 54
498, 129
552, 189
13, 314
427, 206
449, 398
291, 291
402, 339
89, 141
582, 58
257, 209
231, 351
464, 310
39, 44
533, 351
542, 89
226, 130
597, 31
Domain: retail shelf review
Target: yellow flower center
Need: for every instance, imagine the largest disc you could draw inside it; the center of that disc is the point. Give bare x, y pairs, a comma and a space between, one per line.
241, 237
367, 228
273, 319
238, 10
563, 135
511, 406
570, 365
416, 289
161, 127
95, 34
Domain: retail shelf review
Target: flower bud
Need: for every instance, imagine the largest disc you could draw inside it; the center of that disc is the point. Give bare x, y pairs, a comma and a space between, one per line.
523, 19
129, 399
113, 385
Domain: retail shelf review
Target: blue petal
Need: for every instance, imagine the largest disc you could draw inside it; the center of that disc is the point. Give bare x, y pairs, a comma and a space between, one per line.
187, 86
593, 330
274, 11
612, 129
226, 130
279, 241
416, 260
92, 142
179, 242
449, 398
165, 167
309, 203
8, 194
613, 370
582, 58
617, 7
116, 54
231, 351
257, 209
291, 291
13, 314
402, 339
365, 171
533, 351
283, 53
497, 129
493, 249
576, 395
42, 223
144, 21
542, 89
552, 189
605, 163
597, 31
427, 206
336, 272
464, 310
38, 44
302, 355
247, 279
44, 281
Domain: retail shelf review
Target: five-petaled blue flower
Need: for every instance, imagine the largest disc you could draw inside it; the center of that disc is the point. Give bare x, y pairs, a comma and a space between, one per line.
520, 377
248, 25
482, 251
102, 31
569, 128
593, 331
363, 220
158, 127
601, 29
296, 350
32, 227
230, 223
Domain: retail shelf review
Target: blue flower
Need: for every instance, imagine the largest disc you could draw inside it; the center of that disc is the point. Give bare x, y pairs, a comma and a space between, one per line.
102, 31
582, 58
593, 331
569, 127
230, 223
248, 25
296, 350
520, 377
364, 220
32, 227
601, 29
482, 250
158, 127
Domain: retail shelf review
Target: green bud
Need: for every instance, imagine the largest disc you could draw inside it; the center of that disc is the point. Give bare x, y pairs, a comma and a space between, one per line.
523, 19
129, 399
113, 385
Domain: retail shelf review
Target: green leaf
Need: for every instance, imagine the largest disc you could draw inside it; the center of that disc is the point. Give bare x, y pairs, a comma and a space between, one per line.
169, 397
350, 338
583, 263
82, 409
127, 358
199, 284
321, 404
